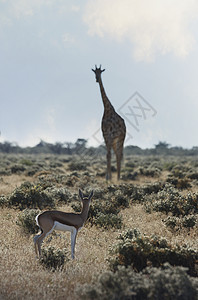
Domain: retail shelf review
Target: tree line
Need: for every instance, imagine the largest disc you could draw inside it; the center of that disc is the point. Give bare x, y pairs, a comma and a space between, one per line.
80, 148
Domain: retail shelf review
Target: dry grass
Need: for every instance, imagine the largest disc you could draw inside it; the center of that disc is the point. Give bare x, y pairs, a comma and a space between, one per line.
23, 277
152, 224
9, 183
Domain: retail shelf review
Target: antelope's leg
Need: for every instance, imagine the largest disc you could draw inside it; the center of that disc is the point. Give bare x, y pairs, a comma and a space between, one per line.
73, 242
42, 236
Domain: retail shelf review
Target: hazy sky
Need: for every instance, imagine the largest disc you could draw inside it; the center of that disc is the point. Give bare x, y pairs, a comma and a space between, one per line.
149, 49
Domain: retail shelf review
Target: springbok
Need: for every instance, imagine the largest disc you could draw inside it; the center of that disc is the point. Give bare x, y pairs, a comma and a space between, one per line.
58, 220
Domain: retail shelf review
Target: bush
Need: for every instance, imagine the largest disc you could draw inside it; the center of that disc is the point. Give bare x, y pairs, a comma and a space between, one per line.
62, 195
172, 222
99, 193
177, 223
139, 251
130, 165
17, 169
27, 220
26, 162
53, 258
168, 165
77, 166
152, 188
189, 221
193, 175
31, 196
129, 175
102, 213
105, 207
150, 172
107, 221
170, 200
179, 183
134, 193
164, 283
3, 201
120, 200
72, 179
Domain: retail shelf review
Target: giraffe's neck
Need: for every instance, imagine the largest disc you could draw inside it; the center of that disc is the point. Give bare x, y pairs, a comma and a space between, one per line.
107, 104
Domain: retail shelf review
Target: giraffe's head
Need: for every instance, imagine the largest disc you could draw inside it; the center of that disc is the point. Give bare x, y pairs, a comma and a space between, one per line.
98, 72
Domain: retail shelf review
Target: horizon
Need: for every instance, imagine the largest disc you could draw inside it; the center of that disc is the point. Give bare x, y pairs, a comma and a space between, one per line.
169, 146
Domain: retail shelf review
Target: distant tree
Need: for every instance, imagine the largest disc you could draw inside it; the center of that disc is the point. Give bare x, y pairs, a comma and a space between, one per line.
6, 147
56, 148
162, 145
69, 147
81, 142
133, 150
80, 145
41, 144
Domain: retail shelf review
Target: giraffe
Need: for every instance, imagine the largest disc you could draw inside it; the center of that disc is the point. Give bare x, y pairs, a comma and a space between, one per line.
113, 128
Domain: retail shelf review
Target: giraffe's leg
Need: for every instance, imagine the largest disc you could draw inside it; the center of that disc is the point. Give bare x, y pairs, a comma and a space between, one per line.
108, 176
118, 149
118, 159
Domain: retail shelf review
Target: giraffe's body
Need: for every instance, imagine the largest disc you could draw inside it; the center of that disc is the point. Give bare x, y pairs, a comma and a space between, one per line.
113, 128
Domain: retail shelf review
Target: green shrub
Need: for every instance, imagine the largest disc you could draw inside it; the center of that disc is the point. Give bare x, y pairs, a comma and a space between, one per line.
53, 258
178, 172
152, 188
130, 165
26, 220
99, 193
105, 207
128, 175
172, 222
179, 183
120, 200
168, 165
134, 193
17, 169
102, 213
170, 200
72, 179
177, 223
193, 175
189, 221
46, 180
55, 164
3, 201
165, 283
26, 162
150, 171
31, 196
77, 166
107, 221
139, 251
61, 195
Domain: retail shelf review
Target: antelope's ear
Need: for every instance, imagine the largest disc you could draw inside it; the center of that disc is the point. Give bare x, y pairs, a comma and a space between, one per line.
91, 195
81, 194
103, 70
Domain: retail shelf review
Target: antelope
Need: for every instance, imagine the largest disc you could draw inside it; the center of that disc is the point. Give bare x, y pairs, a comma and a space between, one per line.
62, 221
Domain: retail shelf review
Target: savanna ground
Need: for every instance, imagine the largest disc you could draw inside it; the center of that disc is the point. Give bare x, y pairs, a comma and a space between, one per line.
22, 276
